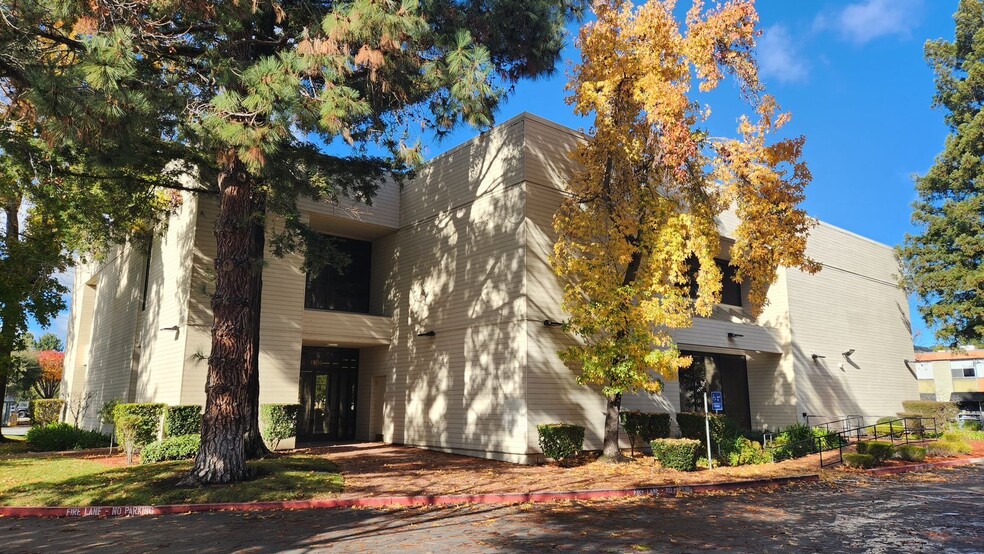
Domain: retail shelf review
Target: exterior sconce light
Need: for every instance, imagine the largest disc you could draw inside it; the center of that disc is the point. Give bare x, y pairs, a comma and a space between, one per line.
552, 323
426, 334
848, 353
817, 357
734, 335
171, 328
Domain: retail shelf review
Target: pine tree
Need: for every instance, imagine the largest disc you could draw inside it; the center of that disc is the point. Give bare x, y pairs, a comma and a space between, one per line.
943, 261
643, 209
235, 89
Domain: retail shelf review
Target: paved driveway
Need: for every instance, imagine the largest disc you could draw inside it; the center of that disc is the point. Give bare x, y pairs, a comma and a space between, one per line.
935, 512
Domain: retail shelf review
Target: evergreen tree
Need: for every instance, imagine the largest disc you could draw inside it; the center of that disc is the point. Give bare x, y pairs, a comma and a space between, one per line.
235, 89
944, 261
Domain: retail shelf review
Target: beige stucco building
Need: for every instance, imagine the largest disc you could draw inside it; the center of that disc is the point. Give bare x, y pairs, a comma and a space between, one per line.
435, 335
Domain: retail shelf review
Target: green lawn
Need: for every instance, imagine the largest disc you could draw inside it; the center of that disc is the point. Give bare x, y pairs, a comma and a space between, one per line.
60, 481
13, 445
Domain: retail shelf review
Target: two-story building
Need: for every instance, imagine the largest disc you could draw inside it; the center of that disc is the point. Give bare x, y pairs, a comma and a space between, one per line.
437, 333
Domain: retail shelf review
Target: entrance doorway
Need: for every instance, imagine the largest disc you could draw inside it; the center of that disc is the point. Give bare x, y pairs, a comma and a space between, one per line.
329, 385
725, 373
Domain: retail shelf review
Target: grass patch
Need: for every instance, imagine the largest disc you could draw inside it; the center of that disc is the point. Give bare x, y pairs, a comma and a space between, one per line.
13, 445
56, 481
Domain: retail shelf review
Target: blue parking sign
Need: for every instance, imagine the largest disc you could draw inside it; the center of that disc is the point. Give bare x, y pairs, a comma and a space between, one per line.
717, 401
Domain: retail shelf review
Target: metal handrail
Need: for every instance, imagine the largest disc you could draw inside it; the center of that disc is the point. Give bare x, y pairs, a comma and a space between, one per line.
904, 437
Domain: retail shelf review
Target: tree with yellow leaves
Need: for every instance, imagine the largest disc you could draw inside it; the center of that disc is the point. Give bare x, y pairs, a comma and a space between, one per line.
642, 209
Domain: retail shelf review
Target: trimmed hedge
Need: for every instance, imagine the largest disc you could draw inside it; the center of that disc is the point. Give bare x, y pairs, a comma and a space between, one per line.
645, 427
879, 450
45, 410
55, 437
942, 412
560, 440
146, 420
886, 426
861, 461
911, 453
278, 422
182, 420
679, 454
181, 447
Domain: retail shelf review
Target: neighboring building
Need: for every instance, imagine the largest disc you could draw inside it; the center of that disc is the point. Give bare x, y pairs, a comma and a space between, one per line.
435, 334
952, 376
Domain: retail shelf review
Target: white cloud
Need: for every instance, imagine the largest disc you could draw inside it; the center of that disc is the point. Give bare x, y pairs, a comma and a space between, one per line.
865, 21
778, 57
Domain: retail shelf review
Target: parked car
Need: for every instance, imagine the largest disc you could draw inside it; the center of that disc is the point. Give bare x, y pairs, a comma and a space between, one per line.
970, 419
23, 409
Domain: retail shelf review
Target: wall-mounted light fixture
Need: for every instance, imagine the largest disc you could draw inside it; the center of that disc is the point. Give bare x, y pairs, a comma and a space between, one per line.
735, 335
426, 334
817, 357
848, 353
171, 328
552, 323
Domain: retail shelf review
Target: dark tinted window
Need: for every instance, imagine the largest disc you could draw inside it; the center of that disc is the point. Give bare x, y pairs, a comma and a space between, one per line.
344, 288
730, 290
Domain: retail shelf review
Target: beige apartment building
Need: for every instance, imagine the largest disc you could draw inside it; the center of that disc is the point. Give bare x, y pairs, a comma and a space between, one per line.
952, 376
435, 333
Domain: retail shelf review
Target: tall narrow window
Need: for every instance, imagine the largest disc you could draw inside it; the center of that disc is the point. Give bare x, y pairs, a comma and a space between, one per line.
730, 290
342, 287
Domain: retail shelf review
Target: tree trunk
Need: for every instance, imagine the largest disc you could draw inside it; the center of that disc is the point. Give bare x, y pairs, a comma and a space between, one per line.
221, 457
254, 446
611, 450
9, 313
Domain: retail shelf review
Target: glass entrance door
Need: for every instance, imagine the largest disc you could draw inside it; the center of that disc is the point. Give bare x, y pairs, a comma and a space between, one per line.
329, 384
716, 372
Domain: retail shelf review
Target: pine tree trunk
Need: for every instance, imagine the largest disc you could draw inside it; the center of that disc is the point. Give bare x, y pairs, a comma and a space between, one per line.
238, 265
611, 450
254, 446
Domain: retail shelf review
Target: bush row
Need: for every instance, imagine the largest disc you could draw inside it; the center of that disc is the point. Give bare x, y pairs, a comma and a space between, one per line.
872, 453
179, 447
55, 437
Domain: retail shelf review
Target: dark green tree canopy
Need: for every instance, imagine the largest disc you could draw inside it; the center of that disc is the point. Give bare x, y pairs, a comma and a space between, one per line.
943, 261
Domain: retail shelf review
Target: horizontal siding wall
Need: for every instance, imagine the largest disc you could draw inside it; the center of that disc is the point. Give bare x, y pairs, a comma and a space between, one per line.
854, 302
456, 268
384, 211
162, 352
111, 357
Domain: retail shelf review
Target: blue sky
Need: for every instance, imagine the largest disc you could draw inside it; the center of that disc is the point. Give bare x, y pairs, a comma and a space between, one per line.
854, 78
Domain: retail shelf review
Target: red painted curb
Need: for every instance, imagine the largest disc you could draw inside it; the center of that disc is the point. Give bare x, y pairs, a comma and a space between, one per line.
924, 467
383, 501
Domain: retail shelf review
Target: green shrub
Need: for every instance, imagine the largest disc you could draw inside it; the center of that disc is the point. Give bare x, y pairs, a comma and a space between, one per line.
679, 454
911, 453
278, 422
182, 420
106, 413
957, 442
747, 452
880, 450
723, 428
971, 425
889, 426
942, 449
942, 412
146, 421
645, 427
914, 426
46, 410
560, 440
862, 461
794, 441
180, 447
55, 437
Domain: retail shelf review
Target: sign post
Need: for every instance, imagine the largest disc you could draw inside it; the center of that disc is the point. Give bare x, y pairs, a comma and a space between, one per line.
707, 427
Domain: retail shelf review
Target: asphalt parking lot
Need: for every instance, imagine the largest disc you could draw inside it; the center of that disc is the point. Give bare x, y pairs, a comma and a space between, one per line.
926, 512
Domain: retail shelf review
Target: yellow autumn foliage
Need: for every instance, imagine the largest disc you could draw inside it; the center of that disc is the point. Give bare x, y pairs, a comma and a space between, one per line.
643, 208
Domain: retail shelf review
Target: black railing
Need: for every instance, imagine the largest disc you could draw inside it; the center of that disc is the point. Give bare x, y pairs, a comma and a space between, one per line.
903, 430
